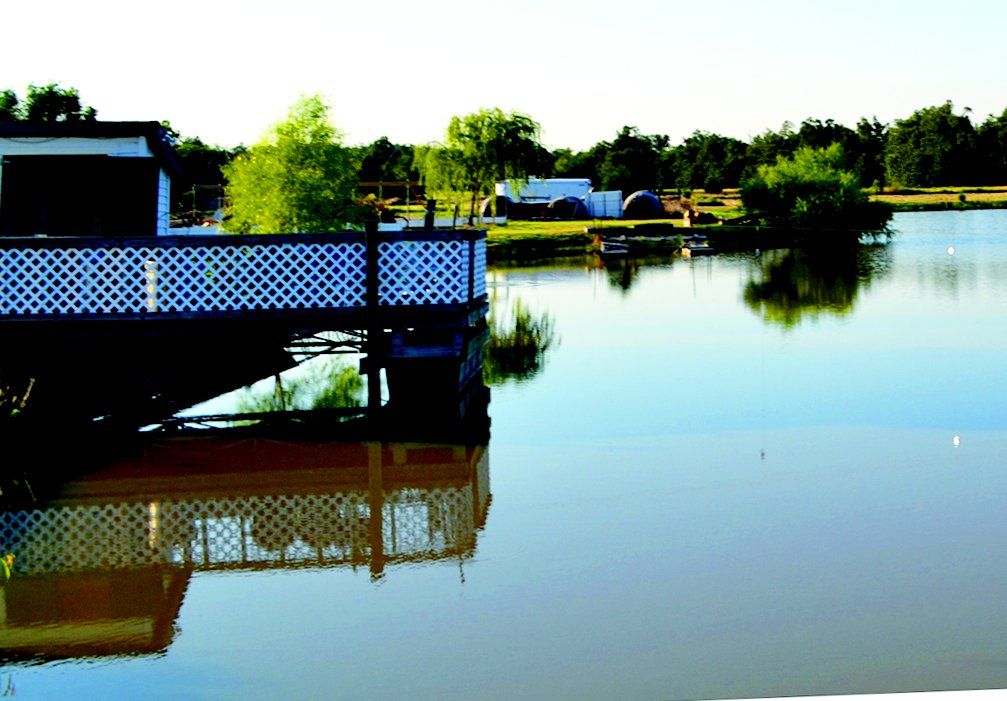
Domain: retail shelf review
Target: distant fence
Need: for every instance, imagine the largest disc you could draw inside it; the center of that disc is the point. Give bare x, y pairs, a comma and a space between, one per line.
88, 277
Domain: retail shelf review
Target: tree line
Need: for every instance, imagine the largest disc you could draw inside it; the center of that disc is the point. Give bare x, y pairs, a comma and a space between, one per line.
934, 146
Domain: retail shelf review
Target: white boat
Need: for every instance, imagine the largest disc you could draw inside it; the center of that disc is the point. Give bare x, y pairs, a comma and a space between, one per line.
697, 245
613, 247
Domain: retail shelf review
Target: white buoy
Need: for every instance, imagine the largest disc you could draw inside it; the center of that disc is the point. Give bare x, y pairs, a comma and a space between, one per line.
951, 250
956, 441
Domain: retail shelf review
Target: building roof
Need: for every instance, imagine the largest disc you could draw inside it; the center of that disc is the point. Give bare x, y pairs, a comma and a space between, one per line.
158, 141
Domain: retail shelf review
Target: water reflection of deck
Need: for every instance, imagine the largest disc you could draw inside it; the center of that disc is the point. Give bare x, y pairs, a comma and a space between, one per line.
102, 567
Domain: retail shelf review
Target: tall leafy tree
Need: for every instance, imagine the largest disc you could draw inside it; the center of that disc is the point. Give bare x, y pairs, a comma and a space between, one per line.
933, 146
771, 145
481, 148
46, 103
709, 161
632, 161
815, 133
202, 173
992, 142
384, 160
577, 164
52, 103
10, 109
298, 178
872, 136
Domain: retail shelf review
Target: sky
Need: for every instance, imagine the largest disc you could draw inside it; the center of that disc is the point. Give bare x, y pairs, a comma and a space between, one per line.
225, 70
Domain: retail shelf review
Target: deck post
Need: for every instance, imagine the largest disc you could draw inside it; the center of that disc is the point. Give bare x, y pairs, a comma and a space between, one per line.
376, 507
372, 300
472, 270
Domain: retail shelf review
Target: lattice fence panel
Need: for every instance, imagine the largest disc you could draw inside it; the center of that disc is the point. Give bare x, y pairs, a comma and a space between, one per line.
72, 280
318, 529
479, 287
423, 272
280, 276
133, 280
418, 522
483, 484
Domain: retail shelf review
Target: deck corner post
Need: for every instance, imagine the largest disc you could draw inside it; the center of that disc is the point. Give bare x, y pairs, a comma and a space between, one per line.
371, 240
472, 269
376, 508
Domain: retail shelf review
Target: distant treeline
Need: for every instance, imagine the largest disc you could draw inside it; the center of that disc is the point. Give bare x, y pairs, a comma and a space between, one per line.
934, 146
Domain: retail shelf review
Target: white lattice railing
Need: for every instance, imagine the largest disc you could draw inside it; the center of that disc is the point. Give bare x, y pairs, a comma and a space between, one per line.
248, 531
186, 275
223, 530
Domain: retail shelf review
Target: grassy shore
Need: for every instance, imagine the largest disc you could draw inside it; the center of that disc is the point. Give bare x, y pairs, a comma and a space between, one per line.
525, 239
937, 198
533, 239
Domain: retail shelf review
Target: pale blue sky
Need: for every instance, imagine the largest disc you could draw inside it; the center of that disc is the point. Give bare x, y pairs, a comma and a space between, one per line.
224, 70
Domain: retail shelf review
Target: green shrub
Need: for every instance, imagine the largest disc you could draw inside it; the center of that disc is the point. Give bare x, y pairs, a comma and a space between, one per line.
810, 190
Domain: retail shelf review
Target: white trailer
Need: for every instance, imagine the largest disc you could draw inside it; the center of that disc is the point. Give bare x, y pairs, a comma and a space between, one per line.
544, 190
541, 191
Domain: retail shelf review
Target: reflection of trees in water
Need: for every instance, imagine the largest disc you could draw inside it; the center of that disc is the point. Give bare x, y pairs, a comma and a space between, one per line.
14, 393
622, 273
329, 384
517, 345
791, 284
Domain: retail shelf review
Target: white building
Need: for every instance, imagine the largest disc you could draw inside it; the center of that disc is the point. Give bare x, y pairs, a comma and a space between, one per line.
101, 179
544, 190
537, 192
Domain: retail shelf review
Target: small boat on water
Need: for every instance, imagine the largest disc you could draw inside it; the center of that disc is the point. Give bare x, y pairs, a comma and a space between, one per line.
697, 245
624, 245
613, 247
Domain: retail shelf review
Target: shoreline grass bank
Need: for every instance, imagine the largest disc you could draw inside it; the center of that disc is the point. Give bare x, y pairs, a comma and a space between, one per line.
534, 239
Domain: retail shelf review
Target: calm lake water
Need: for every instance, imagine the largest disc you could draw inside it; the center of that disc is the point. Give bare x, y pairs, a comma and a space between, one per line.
739, 475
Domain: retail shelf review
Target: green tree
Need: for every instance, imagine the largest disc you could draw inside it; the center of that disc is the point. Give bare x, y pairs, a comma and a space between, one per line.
10, 110
933, 146
870, 164
383, 160
202, 173
708, 161
51, 103
298, 178
811, 190
480, 149
863, 147
46, 103
818, 134
632, 161
577, 164
769, 146
992, 141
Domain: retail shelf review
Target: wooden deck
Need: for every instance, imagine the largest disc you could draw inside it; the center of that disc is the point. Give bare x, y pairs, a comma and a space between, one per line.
343, 279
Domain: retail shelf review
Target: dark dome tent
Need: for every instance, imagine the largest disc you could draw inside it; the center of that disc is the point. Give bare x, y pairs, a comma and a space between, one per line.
642, 204
568, 208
